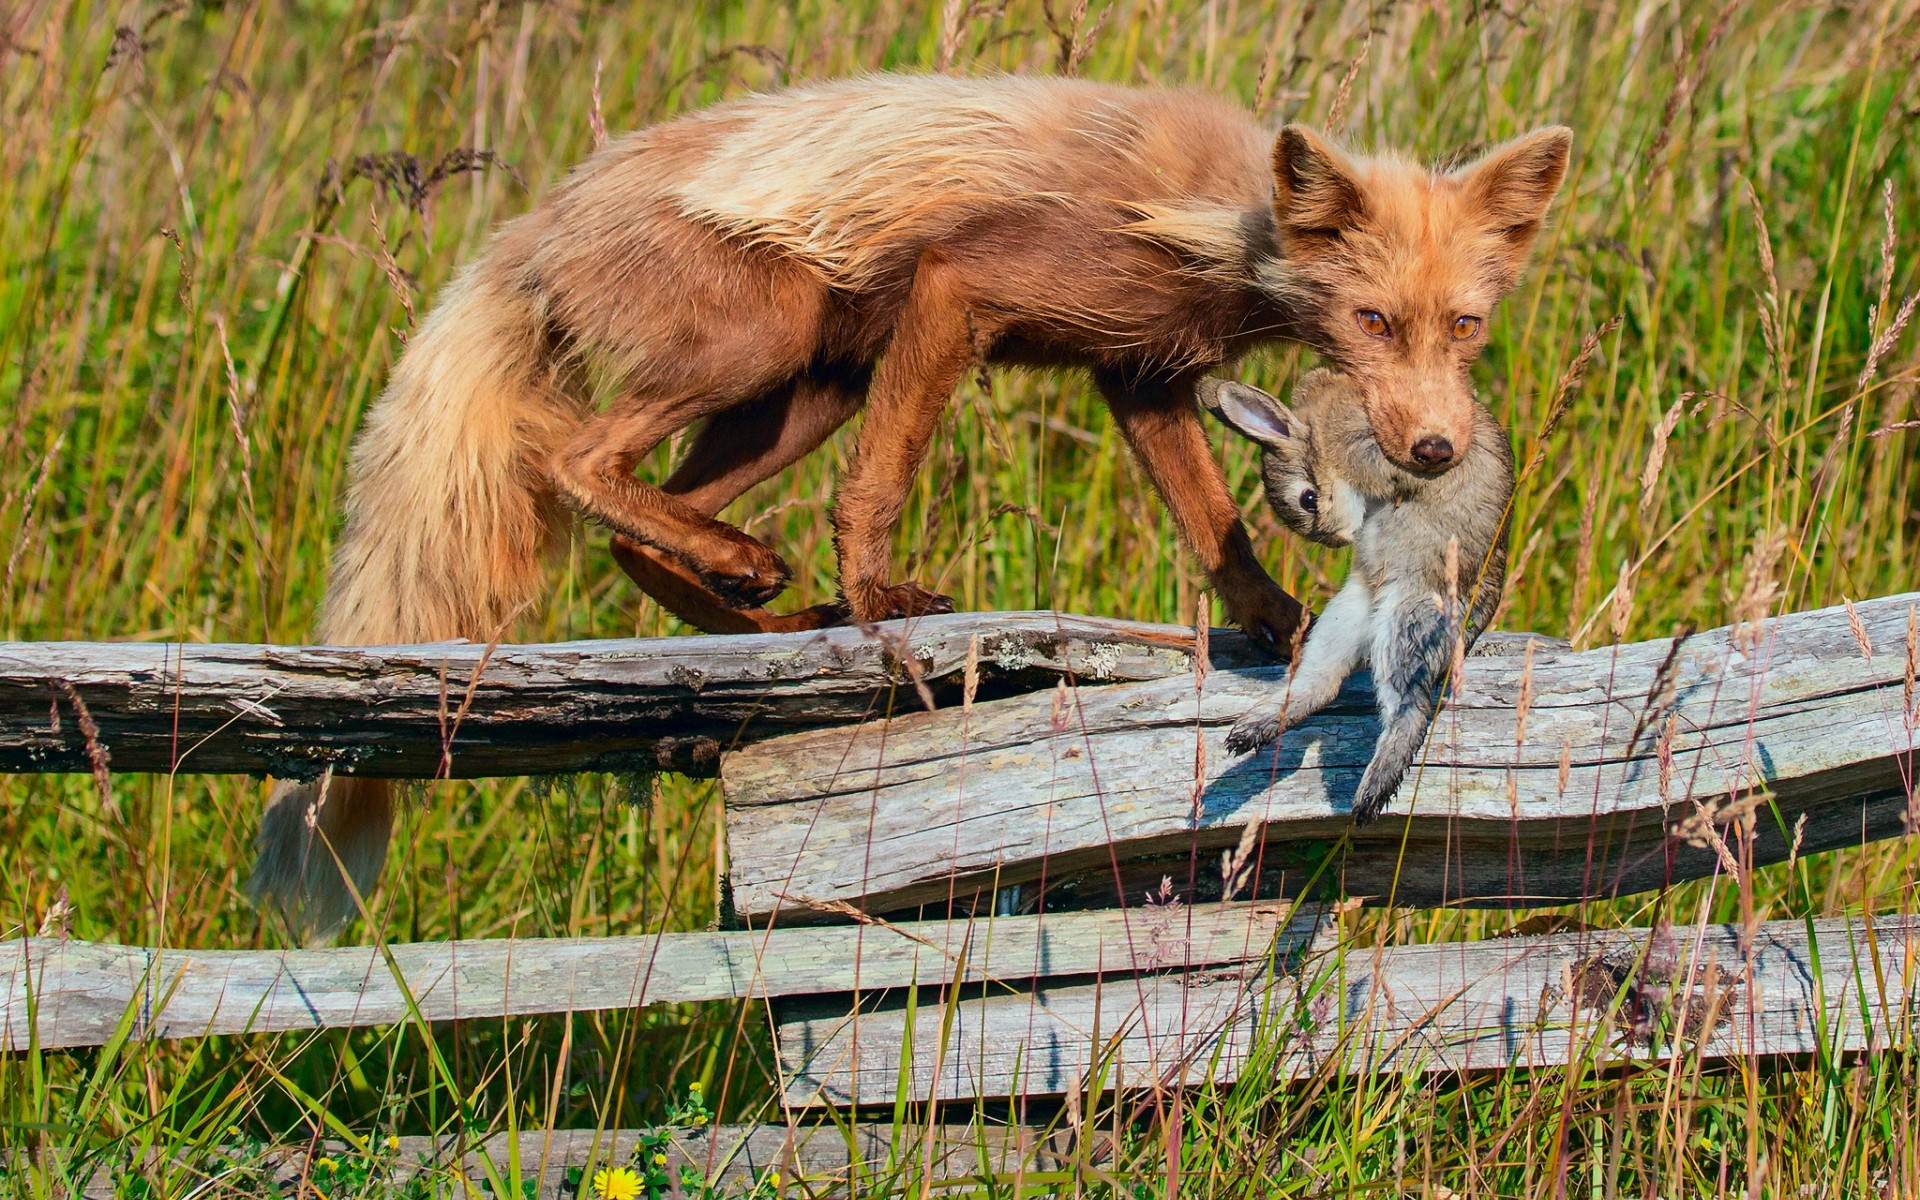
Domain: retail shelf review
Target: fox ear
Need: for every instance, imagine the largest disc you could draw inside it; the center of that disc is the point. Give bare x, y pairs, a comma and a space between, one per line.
1508, 190
1250, 412
1315, 187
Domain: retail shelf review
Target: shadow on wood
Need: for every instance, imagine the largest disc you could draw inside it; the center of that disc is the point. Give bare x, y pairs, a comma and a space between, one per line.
1549, 777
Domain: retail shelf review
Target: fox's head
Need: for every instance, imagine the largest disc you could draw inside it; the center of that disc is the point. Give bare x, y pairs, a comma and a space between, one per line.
1397, 269
1322, 466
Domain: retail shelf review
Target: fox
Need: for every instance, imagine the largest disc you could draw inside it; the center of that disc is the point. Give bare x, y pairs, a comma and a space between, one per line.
760, 271
1429, 561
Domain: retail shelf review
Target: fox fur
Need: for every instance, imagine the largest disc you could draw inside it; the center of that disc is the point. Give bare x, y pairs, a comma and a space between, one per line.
764, 269
1429, 561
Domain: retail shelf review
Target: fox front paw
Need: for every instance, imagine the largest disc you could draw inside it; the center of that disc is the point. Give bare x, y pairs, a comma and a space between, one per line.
889, 602
1254, 730
1271, 619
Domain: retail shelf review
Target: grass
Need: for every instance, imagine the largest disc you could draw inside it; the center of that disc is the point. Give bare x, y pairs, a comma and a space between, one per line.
217, 224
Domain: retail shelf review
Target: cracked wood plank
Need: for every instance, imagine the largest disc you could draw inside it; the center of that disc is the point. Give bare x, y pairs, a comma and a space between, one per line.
1797, 987
56, 993
613, 705
1590, 792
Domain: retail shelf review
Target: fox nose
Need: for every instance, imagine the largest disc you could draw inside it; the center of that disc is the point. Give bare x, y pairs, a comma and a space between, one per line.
1433, 451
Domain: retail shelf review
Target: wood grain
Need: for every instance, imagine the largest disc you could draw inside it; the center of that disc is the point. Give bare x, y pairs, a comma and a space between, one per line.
1795, 987
1550, 779
616, 704
58, 994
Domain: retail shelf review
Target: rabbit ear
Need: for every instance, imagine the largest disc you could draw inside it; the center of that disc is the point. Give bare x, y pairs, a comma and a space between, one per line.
1250, 412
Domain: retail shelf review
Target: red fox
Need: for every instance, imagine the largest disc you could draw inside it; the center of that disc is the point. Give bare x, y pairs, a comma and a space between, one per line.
768, 267
1429, 561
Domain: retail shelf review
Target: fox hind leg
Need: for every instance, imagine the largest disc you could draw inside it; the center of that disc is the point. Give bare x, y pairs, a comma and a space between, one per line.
680, 592
594, 470
733, 451
717, 325
752, 442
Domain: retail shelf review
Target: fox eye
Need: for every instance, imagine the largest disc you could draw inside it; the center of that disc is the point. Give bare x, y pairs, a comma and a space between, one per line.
1309, 500
1465, 327
1373, 323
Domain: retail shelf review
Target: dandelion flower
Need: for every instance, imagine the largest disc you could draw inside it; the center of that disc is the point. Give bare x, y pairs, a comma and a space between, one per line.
618, 1183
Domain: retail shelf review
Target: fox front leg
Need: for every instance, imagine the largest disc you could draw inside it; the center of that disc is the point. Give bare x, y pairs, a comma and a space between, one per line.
1411, 650
932, 343
1161, 422
1336, 644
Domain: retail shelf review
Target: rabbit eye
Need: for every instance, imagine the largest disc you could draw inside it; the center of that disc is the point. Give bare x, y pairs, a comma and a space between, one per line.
1309, 500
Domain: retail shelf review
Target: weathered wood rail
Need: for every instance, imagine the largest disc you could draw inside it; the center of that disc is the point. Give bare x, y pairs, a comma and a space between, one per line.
466, 710
1793, 987
1549, 777
57, 993
935, 763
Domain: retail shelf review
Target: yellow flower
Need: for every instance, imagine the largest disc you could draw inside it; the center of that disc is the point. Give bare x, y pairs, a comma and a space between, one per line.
393, 1143
616, 1184
694, 1086
326, 1164
659, 1160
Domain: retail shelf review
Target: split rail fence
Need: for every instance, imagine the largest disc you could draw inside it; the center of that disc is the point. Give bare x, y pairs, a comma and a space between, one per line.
943, 834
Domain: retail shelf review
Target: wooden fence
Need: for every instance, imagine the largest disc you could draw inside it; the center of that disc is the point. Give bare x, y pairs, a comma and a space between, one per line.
943, 835
1549, 777
65, 993
460, 709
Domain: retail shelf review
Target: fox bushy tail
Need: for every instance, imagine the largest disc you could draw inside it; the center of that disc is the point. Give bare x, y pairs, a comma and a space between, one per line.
449, 519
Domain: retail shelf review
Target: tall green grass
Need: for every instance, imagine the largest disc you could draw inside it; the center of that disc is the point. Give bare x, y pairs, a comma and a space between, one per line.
217, 224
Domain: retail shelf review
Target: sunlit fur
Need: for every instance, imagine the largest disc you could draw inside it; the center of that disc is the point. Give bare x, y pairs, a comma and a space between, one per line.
760, 271
1421, 248
447, 525
1429, 562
